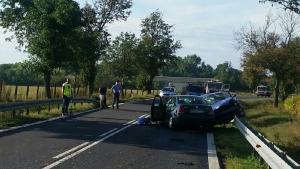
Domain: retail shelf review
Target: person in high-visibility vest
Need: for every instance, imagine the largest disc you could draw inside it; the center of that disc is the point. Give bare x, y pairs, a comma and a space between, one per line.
67, 96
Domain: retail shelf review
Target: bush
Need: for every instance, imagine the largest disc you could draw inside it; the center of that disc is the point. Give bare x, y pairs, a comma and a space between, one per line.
292, 105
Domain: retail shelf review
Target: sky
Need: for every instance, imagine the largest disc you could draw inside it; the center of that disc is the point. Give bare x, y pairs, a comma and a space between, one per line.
204, 27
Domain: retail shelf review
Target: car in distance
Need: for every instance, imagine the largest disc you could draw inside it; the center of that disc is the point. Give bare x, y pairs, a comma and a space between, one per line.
262, 90
167, 91
183, 110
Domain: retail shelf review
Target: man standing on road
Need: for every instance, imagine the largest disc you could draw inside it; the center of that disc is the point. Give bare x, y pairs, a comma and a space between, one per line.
67, 96
116, 94
102, 96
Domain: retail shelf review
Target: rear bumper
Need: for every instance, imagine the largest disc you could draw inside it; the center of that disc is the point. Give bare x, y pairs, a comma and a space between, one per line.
194, 120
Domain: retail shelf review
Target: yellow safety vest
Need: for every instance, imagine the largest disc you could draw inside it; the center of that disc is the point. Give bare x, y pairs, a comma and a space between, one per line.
68, 89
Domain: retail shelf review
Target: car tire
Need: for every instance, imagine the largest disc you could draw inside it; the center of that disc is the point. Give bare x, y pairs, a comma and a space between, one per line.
171, 123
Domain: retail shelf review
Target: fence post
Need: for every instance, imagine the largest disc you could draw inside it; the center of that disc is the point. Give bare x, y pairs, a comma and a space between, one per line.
37, 91
16, 92
54, 93
27, 92
1, 84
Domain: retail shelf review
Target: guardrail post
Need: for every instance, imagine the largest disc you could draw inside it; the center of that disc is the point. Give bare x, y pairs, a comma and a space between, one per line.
27, 92
39, 109
49, 107
13, 113
57, 106
27, 111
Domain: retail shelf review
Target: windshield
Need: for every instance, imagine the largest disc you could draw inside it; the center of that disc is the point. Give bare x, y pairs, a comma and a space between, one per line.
214, 98
190, 100
170, 89
219, 85
211, 85
197, 89
262, 88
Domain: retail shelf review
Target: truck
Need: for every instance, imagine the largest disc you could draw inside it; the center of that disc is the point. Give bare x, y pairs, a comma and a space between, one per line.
262, 90
193, 89
212, 86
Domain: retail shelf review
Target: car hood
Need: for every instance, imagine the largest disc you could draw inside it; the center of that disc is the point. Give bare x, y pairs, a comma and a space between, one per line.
221, 103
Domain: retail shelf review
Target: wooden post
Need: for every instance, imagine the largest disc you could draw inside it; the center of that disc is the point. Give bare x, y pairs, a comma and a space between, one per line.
1, 85
27, 92
54, 93
16, 92
37, 91
57, 106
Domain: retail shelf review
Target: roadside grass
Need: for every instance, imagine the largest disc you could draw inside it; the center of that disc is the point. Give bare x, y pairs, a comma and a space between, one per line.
244, 93
275, 124
20, 117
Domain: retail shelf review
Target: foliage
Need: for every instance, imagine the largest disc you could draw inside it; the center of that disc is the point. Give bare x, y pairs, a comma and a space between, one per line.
292, 105
156, 46
292, 5
266, 52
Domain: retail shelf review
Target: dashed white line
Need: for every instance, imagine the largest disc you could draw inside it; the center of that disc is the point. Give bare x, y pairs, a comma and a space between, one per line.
71, 150
213, 162
85, 148
110, 131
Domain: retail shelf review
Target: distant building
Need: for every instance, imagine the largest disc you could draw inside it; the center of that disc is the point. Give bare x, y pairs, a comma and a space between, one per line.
178, 82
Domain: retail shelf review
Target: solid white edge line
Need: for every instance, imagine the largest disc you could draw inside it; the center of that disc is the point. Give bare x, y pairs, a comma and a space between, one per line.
71, 150
213, 162
110, 131
85, 148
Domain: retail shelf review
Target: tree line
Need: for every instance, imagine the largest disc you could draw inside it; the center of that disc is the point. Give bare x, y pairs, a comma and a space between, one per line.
63, 39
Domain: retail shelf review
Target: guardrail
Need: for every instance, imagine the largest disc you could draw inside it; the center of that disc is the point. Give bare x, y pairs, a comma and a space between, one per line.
38, 103
268, 152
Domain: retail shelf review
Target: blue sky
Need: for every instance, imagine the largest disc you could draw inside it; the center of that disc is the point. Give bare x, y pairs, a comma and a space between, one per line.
204, 27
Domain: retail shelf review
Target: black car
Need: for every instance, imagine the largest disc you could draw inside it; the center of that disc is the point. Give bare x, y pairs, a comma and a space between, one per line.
182, 110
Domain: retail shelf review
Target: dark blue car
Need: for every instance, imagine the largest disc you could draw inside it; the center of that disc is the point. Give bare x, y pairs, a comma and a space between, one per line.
193, 89
224, 105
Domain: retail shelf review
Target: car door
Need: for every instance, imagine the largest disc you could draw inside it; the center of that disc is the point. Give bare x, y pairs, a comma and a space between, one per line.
158, 109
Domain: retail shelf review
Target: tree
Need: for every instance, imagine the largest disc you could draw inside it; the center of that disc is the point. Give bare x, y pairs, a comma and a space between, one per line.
292, 5
157, 46
266, 51
94, 37
43, 28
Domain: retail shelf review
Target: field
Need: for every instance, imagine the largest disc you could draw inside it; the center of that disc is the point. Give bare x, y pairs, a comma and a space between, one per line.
274, 123
9, 93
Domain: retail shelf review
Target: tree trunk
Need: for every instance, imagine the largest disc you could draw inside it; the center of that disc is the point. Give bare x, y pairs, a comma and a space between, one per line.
47, 79
276, 95
91, 84
149, 87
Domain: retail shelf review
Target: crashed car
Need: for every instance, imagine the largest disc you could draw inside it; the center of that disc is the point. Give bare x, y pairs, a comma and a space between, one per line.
225, 106
182, 110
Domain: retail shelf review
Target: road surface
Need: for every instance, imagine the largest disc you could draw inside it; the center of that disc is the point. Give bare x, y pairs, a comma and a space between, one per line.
106, 139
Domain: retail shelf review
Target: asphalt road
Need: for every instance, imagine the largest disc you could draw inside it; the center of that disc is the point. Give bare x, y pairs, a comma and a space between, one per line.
105, 139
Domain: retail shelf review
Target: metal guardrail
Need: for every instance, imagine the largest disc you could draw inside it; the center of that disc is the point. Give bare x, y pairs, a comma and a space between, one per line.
270, 153
37, 103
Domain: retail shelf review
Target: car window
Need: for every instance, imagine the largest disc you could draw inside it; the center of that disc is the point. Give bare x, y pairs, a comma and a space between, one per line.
191, 100
169, 89
156, 101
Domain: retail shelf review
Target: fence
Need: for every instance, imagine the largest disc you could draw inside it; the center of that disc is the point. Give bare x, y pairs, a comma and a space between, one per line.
9, 93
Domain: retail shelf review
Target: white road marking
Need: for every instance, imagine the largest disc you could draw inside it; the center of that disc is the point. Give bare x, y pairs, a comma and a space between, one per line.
73, 149
110, 131
213, 162
129, 122
85, 148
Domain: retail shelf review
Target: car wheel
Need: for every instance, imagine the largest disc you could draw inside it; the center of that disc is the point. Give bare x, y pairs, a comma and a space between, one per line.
171, 123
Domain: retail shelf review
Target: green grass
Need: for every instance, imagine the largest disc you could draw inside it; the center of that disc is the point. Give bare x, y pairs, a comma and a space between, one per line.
274, 123
8, 120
